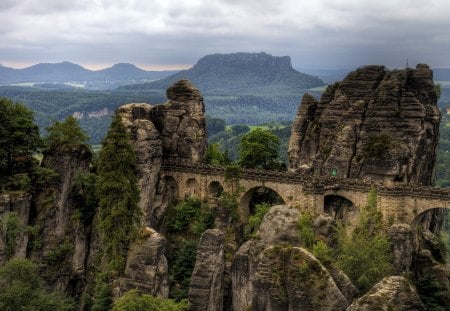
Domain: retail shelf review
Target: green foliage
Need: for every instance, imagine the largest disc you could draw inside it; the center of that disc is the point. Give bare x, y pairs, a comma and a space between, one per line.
215, 157
189, 217
438, 90
65, 133
365, 255
21, 289
119, 214
306, 230
11, 229
59, 253
431, 292
239, 129
42, 177
102, 299
254, 221
323, 252
19, 138
133, 300
181, 216
259, 149
85, 197
214, 125
180, 270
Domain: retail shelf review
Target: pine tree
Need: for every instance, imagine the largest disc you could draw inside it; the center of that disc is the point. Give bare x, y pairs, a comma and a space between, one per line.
119, 213
61, 134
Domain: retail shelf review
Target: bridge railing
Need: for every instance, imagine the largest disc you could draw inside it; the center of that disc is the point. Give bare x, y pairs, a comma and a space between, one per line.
313, 184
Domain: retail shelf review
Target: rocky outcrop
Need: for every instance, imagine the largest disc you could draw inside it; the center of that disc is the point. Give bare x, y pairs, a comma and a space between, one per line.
206, 288
146, 268
391, 293
375, 124
181, 123
272, 272
16, 208
147, 145
401, 239
63, 238
174, 131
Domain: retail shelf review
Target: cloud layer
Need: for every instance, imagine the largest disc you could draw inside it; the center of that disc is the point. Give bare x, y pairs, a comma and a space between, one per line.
316, 34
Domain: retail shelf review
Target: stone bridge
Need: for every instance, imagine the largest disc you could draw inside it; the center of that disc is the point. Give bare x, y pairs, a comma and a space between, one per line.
399, 203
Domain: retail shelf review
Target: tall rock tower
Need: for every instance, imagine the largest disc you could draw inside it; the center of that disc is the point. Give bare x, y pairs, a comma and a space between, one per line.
376, 124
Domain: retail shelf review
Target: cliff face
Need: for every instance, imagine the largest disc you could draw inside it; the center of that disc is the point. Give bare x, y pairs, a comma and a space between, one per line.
376, 124
174, 131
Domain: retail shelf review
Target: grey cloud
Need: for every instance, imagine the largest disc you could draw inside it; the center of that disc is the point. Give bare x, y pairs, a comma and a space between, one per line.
315, 33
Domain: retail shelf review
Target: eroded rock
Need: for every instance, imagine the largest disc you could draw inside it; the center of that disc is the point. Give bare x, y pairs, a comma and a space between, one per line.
391, 293
206, 289
146, 268
376, 124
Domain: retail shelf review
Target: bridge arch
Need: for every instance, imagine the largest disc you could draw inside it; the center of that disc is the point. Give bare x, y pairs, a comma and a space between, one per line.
192, 188
341, 208
215, 188
257, 195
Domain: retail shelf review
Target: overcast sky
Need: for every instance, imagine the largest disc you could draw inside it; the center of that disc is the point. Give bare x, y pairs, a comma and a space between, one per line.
158, 34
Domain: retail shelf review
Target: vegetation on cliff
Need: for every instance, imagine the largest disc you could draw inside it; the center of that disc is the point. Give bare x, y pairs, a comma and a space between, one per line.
119, 215
21, 288
19, 140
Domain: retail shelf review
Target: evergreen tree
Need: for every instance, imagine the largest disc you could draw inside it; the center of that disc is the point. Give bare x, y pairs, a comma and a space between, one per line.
19, 138
61, 134
21, 288
118, 194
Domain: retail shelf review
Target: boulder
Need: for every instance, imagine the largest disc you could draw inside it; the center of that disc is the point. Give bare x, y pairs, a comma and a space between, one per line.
272, 271
391, 293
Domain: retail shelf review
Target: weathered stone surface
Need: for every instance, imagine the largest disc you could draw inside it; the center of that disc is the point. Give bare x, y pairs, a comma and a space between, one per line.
21, 205
273, 273
280, 225
146, 268
391, 293
64, 240
181, 123
173, 131
291, 278
376, 124
148, 148
206, 288
401, 239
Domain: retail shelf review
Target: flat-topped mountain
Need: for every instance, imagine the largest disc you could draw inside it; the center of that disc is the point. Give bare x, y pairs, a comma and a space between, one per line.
241, 73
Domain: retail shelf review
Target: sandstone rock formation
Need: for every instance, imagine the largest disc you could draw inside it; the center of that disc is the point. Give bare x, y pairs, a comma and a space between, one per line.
206, 289
64, 240
391, 293
376, 124
20, 204
146, 268
273, 272
174, 131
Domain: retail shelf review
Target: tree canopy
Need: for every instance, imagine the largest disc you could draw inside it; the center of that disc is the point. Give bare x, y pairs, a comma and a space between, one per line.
259, 149
19, 138
133, 300
118, 194
67, 132
21, 289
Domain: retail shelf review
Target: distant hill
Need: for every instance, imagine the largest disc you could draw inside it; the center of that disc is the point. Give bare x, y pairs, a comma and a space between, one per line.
70, 73
241, 74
